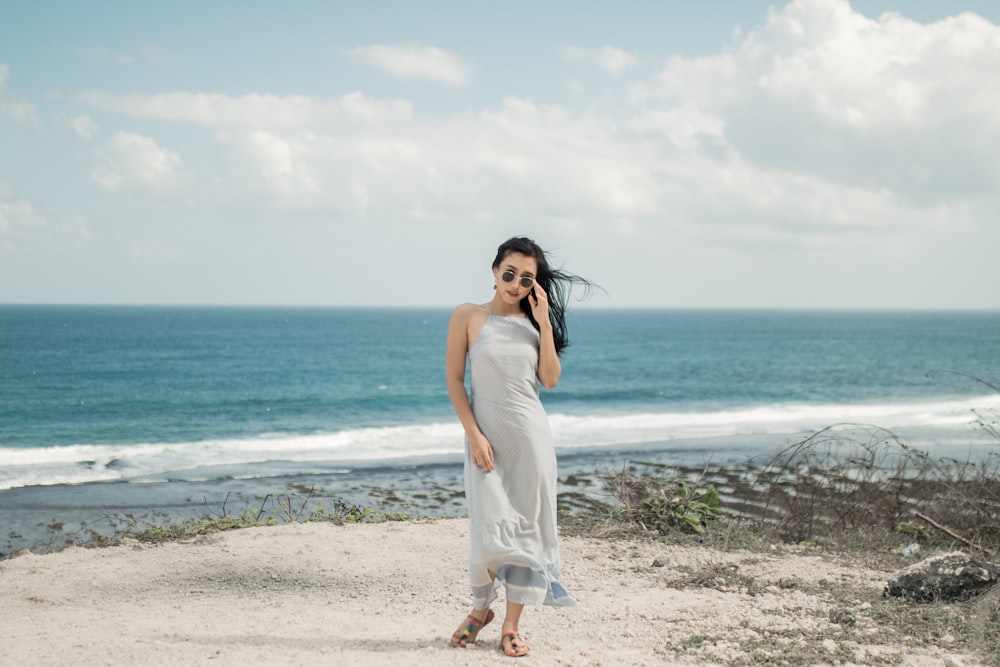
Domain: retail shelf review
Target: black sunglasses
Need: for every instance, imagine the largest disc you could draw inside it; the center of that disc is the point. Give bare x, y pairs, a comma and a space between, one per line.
508, 276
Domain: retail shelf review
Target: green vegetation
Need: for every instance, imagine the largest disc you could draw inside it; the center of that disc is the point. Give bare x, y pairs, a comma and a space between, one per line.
273, 511
662, 503
853, 492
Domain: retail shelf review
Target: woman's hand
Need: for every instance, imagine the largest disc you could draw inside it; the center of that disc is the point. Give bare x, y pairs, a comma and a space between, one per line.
539, 302
549, 368
481, 452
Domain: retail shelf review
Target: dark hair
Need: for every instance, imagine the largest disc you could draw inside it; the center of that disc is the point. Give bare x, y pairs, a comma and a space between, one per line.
557, 284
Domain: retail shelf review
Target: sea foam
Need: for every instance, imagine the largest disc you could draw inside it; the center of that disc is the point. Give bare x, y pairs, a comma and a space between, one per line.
937, 423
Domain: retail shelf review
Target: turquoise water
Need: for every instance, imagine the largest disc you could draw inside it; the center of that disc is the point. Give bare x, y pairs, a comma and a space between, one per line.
170, 413
173, 393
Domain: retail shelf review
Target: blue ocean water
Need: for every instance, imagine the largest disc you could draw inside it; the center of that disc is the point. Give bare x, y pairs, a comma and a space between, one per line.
140, 394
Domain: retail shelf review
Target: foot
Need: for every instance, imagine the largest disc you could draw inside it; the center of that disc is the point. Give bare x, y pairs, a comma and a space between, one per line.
467, 632
512, 646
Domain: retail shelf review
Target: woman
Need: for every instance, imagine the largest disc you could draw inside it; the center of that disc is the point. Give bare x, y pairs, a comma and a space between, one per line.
512, 343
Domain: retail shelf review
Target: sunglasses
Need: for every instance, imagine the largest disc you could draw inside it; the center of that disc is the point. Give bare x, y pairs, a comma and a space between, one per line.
508, 276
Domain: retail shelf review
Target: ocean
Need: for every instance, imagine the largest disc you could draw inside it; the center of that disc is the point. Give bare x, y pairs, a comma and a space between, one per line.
181, 409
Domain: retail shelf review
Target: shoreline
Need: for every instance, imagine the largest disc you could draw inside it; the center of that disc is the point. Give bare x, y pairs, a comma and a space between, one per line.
391, 594
51, 517
48, 518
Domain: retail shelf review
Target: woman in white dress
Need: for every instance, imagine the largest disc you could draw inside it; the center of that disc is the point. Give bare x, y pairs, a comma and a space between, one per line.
512, 343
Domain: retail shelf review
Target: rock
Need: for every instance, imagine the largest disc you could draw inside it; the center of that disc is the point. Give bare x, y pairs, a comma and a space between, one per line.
949, 577
842, 616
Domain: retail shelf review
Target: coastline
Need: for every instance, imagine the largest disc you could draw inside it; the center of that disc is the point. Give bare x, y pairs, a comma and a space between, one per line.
392, 593
48, 518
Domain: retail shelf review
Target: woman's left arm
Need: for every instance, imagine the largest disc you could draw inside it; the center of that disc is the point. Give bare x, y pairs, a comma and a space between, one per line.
549, 368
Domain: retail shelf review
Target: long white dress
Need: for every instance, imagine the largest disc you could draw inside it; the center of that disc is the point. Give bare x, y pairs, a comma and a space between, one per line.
512, 510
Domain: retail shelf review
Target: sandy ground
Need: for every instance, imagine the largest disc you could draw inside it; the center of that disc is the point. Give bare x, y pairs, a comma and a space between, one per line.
392, 593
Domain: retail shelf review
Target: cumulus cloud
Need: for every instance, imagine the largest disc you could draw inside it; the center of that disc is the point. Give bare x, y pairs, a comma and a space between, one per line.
411, 61
820, 129
875, 103
132, 161
280, 166
607, 58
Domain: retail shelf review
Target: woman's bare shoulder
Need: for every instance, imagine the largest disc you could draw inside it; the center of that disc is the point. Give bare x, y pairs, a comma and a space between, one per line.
468, 312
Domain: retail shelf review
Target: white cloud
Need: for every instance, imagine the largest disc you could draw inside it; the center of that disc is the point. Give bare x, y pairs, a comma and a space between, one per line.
84, 127
18, 217
820, 129
608, 58
886, 103
132, 161
671, 167
566, 163
685, 127
24, 226
280, 166
412, 61
21, 112
254, 110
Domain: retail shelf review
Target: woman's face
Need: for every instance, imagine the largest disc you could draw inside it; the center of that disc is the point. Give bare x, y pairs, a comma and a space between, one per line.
524, 268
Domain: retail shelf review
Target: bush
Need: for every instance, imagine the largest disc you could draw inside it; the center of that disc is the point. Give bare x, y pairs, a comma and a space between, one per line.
663, 503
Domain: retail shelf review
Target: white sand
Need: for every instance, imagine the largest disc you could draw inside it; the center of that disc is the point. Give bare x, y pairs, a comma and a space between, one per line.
391, 594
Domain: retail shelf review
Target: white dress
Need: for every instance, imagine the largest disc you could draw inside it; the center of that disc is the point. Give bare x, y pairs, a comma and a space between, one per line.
512, 510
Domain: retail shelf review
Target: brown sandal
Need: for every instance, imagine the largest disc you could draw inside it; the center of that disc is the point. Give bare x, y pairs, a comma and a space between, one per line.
469, 630
515, 649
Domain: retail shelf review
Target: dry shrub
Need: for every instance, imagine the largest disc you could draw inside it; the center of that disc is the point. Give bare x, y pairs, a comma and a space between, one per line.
854, 478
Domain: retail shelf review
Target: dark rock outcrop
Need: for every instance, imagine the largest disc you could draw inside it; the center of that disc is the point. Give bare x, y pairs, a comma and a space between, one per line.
949, 577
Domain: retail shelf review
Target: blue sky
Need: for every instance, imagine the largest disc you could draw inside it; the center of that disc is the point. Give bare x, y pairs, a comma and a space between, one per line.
808, 154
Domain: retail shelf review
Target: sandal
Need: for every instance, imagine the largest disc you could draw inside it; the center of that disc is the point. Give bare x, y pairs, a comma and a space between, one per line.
514, 648
469, 630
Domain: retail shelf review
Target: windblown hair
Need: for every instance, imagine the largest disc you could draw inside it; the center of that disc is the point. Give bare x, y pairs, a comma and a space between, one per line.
556, 283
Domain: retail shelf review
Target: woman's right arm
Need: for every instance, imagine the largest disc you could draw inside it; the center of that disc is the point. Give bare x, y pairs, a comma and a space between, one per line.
455, 353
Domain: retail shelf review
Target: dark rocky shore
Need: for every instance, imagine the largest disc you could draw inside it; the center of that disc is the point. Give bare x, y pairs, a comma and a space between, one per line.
41, 518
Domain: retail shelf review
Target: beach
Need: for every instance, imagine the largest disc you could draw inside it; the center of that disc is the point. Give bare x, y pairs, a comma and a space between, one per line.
117, 418
391, 593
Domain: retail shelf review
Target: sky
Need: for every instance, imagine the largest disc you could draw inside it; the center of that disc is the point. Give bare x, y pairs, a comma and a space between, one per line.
727, 154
